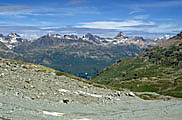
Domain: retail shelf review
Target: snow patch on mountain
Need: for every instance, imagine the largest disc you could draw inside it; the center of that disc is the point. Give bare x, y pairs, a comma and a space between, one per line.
165, 37
11, 40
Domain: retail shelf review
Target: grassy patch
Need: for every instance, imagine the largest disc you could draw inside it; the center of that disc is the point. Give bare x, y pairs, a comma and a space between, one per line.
176, 92
146, 88
59, 73
178, 88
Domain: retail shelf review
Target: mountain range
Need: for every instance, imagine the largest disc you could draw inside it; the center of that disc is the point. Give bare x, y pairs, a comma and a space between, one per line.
83, 56
13, 39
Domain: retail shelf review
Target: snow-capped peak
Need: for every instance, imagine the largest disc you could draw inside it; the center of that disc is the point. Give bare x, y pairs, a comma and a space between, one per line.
69, 37
54, 35
88, 36
165, 37
11, 40
13, 35
121, 35
94, 39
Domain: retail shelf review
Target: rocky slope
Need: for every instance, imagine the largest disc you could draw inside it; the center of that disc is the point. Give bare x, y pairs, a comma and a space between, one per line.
3, 46
157, 69
29, 92
5, 52
38, 82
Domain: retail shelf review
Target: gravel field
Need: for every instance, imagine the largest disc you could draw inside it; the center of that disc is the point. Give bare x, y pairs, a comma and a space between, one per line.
128, 108
28, 93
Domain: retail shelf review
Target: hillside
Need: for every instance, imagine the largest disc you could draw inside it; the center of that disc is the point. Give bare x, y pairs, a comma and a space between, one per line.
82, 57
157, 69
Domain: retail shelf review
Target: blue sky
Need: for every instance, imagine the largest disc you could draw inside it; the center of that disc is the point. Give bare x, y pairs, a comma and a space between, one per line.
147, 18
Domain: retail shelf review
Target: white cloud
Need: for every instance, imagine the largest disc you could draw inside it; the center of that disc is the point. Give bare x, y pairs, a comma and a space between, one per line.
141, 17
135, 9
136, 27
113, 24
163, 28
3, 23
12, 7
73, 11
162, 4
25, 12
